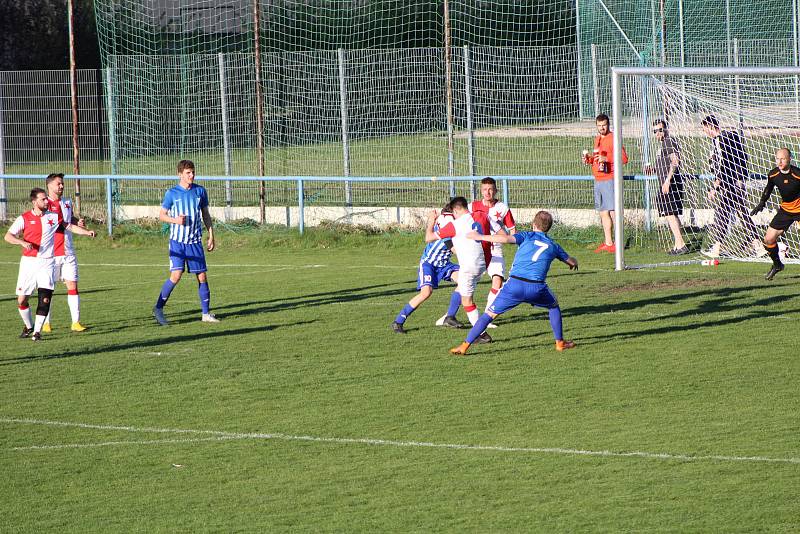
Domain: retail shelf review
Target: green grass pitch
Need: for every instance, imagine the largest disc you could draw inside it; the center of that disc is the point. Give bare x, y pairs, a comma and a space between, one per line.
302, 411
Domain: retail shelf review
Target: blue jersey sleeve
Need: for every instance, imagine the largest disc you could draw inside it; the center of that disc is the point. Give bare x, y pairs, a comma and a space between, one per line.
203, 198
560, 253
168, 201
519, 237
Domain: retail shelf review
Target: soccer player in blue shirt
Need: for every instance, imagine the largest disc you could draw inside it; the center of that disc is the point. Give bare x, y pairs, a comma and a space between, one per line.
527, 279
434, 267
185, 208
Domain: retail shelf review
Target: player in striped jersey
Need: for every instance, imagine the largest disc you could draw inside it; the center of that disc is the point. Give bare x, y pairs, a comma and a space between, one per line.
185, 208
434, 267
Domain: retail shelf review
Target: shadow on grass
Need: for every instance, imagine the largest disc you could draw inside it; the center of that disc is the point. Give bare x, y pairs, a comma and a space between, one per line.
163, 341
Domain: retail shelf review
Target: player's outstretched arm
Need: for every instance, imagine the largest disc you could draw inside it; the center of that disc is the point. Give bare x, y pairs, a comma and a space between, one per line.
573, 263
210, 245
497, 238
764, 198
75, 229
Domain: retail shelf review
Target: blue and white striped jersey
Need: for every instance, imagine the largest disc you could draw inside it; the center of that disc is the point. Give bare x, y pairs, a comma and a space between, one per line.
189, 202
438, 252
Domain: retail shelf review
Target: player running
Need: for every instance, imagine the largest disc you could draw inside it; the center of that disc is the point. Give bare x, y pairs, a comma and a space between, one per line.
185, 208
434, 267
527, 279
37, 265
66, 261
472, 255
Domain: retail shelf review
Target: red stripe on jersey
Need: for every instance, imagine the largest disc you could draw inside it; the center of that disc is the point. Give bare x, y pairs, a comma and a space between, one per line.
32, 232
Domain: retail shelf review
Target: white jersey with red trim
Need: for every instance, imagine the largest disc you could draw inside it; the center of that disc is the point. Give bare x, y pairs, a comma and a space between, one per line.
472, 255
499, 216
63, 239
39, 230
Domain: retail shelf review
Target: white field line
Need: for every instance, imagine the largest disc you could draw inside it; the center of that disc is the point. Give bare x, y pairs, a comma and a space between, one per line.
213, 265
117, 443
396, 443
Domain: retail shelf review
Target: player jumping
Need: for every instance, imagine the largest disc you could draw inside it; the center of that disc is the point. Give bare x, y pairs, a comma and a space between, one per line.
527, 279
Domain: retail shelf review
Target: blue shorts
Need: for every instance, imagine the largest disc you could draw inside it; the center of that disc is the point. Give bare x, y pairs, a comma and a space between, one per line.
515, 292
428, 275
187, 257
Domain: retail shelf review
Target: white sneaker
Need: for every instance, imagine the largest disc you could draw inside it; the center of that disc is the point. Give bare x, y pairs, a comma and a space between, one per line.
209, 318
440, 321
712, 252
491, 325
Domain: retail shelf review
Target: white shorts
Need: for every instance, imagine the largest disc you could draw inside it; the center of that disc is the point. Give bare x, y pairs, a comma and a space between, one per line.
467, 281
67, 268
35, 272
497, 267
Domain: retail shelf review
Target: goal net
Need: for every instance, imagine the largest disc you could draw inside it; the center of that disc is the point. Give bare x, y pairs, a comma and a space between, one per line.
714, 133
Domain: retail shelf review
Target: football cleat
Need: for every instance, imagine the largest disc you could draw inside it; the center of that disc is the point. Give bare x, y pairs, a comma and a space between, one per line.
397, 328
461, 349
26, 332
77, 327
564, 344
776, 268
209, 318
449, 320
158, 313
36, 336
46, 328
483, 338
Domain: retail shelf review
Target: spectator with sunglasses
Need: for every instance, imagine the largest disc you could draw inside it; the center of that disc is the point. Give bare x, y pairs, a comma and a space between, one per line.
670, 193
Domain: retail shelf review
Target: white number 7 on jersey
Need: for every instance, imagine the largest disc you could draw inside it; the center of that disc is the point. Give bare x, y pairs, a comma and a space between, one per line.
542, 247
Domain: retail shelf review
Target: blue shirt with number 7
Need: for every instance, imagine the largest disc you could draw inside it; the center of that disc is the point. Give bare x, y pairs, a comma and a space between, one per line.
536, 252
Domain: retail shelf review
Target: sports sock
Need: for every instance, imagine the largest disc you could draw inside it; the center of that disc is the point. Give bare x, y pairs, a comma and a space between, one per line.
166, 289
555, 322
455, 302
406, 311
74, 302
479, 327
772, 250
25, 313
472, 314
491, 296
205, 296
37, 326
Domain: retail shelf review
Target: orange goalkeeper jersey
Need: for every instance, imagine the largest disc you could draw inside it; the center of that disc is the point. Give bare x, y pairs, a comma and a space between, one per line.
604, 144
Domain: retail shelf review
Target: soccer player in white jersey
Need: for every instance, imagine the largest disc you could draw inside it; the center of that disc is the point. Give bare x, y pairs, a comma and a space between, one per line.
37, 266
473, 256
185, 208
434, 267
66, 261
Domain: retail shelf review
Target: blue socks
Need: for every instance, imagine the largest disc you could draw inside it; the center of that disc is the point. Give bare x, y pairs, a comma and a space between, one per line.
479, 328
407, 310
555, 322
455, 302
166, 289
205, 296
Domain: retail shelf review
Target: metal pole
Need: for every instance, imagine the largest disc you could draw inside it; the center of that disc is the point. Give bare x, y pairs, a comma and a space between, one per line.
259, 109
448, 80
653, 31
112, 141
301, 206
595, 81
616, 106
663, 33
683, 56
737, 86
348, 194
468, 100
795, 53
226, 147
728, 29
3, 191
579, 70
73, 89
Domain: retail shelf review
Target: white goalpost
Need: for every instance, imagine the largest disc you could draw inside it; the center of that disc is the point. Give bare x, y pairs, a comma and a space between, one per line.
713, 116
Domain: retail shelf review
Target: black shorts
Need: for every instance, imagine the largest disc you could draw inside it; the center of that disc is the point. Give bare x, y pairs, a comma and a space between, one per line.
783, 219
670, 204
